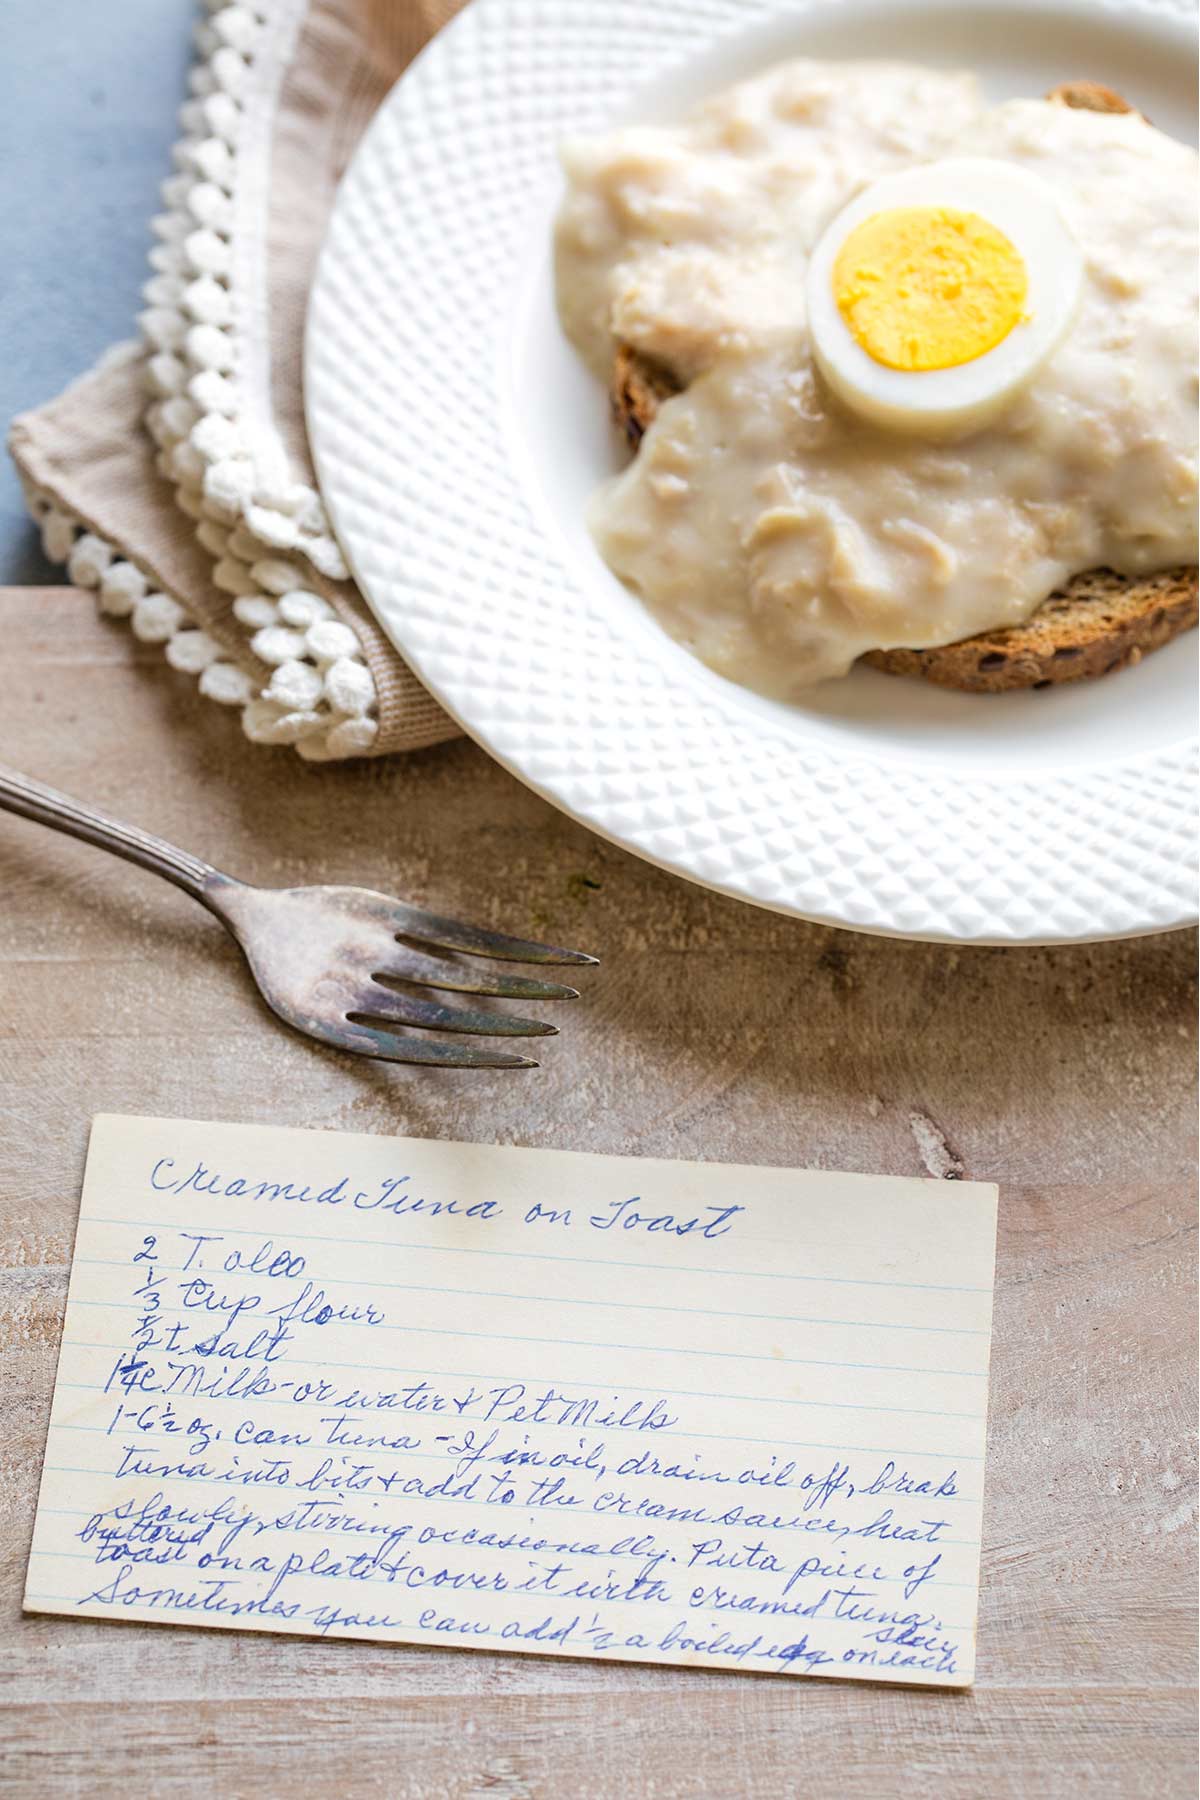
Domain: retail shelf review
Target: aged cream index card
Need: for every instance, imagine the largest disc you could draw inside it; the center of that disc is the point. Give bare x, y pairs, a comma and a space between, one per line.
521, 1399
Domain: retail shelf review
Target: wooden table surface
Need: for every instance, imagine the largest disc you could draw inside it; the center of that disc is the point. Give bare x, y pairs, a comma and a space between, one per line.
711, 1031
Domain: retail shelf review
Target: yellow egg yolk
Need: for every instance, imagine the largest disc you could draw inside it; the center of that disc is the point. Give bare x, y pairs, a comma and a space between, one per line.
928, 287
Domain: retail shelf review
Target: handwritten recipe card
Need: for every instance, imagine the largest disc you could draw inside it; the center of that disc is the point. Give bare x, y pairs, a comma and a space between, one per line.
439, 1393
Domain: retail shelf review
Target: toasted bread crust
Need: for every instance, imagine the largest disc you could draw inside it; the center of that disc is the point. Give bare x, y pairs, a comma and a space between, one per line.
1089, 96
637, 390
1099, 622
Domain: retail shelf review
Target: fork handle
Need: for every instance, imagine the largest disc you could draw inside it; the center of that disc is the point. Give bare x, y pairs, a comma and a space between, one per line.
33, 800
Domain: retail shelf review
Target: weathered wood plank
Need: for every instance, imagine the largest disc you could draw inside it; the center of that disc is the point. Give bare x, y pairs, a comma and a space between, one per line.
757, 1743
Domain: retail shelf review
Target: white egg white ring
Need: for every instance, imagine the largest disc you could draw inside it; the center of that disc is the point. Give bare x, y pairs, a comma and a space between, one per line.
941, 401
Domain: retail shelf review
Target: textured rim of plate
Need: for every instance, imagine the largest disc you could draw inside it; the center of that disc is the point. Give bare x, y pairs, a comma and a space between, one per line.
424, 249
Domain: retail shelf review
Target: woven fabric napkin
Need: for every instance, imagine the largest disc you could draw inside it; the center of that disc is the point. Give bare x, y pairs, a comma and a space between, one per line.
175, 479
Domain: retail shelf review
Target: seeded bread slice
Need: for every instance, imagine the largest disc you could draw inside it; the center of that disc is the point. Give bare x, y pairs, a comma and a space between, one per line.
1100, 621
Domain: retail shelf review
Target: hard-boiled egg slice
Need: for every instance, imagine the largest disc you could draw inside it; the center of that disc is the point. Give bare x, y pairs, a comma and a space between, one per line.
937, 294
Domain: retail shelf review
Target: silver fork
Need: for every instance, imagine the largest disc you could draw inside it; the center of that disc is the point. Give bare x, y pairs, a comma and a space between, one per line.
324, 957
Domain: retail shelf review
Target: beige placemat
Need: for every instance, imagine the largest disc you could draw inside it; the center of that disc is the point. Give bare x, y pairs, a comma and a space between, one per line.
175, 478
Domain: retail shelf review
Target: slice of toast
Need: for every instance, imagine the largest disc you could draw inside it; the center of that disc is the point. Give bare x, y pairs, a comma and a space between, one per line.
1098, 622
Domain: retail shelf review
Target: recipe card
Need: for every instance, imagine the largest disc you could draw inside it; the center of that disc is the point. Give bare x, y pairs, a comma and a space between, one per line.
532, 1400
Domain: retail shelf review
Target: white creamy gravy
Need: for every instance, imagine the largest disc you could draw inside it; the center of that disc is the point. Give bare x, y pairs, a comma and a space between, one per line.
771, 531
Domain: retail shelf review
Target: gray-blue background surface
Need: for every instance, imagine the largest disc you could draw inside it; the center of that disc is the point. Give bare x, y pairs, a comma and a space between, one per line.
89, 91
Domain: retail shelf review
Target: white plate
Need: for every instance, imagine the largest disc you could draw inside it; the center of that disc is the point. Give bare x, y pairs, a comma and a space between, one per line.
456, 437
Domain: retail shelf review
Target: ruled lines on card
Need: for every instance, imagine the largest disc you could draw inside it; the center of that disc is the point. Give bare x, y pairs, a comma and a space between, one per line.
556, 1403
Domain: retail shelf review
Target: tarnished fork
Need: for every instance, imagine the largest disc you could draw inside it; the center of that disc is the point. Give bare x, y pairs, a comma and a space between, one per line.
338, 963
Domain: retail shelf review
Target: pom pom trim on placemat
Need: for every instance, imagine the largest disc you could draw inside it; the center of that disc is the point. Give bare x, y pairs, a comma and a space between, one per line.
225, 464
